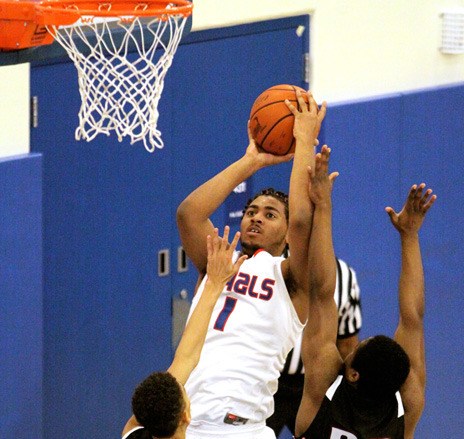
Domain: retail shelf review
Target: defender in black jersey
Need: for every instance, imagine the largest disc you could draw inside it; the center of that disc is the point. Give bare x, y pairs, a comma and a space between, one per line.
378, 392
288, 396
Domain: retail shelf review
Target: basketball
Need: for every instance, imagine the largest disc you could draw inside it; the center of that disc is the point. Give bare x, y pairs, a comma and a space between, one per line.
271, 122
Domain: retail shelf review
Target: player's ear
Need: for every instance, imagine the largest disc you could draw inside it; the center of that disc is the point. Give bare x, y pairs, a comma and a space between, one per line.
186, 417
352, 375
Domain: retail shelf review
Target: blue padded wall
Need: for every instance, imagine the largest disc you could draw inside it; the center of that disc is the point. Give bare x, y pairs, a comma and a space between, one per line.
433, 152
107, 313
381, 147
21, 335
365, 138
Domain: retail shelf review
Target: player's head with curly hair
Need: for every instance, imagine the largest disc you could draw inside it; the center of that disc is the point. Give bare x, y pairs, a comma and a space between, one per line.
265, 223
382, 365
270, 192
159, 403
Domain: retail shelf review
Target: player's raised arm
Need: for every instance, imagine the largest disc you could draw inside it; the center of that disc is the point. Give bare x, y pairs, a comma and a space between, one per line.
308, 120
410, 331
194, 212
319, 351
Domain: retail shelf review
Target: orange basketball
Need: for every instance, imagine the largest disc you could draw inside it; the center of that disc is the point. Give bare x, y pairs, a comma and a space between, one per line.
271, 122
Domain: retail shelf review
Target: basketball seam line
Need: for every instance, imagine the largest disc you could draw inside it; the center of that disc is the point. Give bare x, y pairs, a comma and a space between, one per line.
271, 103
272, 127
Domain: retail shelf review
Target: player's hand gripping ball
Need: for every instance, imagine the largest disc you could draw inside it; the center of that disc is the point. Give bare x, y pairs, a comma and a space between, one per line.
271, 122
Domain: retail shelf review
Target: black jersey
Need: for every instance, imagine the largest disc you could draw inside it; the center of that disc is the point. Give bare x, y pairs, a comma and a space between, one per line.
138, 433
344, 415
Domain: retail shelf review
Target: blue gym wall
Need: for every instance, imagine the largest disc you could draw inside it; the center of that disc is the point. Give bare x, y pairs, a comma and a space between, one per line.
21, 267
109, 207
381, 147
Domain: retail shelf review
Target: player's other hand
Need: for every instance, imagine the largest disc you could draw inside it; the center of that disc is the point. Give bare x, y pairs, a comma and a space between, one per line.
260, 157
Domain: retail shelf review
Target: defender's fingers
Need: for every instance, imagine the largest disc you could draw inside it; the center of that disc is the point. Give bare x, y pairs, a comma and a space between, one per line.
412, 193
215, 239
426, 196
240, 261
324, 158
318, 161
419, 190
325, 147
321, 164
418, 196
209, 246
391, 213
225, 237
234, 242
429, 203
325, 151
310, 172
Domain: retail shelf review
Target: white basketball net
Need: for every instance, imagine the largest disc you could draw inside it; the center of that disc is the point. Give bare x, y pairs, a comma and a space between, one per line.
120, 94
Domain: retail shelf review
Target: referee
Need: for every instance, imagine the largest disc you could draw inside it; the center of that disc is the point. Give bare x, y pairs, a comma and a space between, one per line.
288, 396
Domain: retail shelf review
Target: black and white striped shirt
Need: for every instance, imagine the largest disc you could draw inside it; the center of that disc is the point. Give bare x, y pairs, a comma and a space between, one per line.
348, 300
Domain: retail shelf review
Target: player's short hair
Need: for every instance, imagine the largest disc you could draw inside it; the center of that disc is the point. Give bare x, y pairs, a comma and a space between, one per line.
158, 404
383, 367
270, 192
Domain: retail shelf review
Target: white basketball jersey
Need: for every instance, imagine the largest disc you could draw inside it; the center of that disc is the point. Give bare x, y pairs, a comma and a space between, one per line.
253, 327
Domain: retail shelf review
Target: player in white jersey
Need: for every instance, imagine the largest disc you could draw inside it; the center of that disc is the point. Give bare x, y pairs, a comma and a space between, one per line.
238, 388
256, 294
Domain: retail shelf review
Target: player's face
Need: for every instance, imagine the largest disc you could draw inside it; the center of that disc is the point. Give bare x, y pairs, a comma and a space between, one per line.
264, 225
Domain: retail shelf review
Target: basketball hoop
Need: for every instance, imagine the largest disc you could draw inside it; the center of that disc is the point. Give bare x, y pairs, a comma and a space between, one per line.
122, 50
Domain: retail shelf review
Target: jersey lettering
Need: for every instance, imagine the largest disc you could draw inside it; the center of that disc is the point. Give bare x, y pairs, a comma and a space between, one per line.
244, 283
267, 286
230, 283
225, 313
341, 434
252, 287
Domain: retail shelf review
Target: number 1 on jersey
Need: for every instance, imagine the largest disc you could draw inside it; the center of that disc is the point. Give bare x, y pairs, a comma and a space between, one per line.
225, 313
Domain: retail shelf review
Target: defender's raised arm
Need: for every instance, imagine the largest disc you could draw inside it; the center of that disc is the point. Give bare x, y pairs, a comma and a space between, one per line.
410, 331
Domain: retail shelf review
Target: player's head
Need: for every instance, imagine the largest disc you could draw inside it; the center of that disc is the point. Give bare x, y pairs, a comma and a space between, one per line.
265, 223
160, 404
378, 366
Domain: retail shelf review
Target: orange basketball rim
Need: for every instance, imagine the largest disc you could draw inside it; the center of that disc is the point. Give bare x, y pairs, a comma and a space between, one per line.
23, 23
